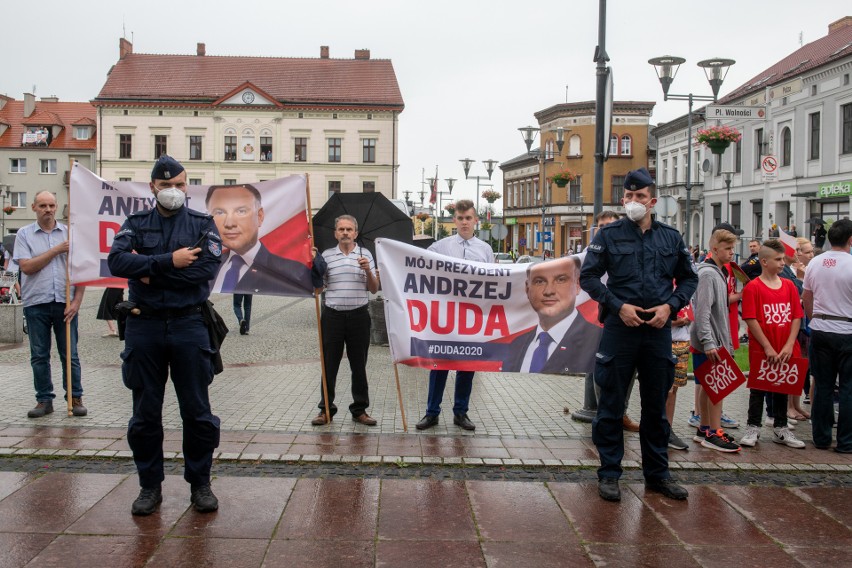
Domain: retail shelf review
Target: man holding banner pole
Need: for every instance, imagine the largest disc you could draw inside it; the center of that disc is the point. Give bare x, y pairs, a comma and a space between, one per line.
169, 254
466, 246
345, 320
41, 252
642, 259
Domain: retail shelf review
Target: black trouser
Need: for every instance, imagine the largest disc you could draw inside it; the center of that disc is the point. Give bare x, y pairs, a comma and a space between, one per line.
352, 330
755, 407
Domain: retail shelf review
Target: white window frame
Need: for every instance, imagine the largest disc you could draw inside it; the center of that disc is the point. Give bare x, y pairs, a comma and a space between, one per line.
18, 199
81, 133
20, 168
47, 161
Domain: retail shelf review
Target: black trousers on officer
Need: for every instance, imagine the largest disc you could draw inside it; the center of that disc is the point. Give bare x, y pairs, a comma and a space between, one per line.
154, 348
351, 329
649, 351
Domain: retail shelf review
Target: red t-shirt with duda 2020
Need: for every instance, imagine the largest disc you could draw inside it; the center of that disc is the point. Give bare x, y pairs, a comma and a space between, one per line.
774, 311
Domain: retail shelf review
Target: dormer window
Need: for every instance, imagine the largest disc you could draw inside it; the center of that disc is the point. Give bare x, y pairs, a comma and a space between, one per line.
82, 132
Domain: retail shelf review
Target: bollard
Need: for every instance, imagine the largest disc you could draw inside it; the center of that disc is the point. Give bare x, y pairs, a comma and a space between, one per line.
590, 402
378, 326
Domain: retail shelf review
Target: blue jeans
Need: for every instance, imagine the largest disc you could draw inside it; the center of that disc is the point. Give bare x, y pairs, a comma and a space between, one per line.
437, 383
831, 357
242, 307
41, 320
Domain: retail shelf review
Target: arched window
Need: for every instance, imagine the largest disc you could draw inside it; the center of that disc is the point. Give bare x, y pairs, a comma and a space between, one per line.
574, 145
786, 146
626, 145
613, 145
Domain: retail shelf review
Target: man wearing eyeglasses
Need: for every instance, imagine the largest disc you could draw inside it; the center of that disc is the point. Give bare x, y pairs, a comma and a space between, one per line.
563, 342
250, 268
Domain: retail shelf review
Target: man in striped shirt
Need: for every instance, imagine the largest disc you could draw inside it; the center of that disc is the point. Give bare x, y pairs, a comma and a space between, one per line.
345, 319
466, 246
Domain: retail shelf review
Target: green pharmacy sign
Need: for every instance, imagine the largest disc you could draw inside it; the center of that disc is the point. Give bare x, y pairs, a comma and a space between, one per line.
836, 189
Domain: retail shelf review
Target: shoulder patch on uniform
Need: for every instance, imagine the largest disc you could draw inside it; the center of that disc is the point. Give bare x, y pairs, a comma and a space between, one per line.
201, 214
214, 247
125, 232
214, 235
595, 247
141, 213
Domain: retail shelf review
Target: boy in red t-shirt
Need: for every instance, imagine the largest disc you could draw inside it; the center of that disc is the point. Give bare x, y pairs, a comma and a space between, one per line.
773, 312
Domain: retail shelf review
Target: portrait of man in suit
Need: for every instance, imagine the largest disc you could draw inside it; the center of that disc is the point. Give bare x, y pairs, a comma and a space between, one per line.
563, 342
249, 267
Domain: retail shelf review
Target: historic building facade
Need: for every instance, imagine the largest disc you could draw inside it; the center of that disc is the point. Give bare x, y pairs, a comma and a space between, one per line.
38, 140
567, 212
241, 119
805, 130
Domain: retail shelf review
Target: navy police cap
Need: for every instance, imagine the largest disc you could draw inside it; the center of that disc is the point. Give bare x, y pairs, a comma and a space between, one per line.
638, 179
166, 167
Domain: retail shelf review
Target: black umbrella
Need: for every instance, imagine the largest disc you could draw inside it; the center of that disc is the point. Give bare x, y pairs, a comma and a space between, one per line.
377, 217
815, 221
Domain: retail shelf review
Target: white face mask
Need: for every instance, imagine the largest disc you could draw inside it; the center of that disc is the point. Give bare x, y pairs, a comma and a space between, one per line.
634, 210
171, 198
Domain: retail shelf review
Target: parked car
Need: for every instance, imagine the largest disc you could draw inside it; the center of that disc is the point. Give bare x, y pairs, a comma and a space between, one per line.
503, 258
528, 258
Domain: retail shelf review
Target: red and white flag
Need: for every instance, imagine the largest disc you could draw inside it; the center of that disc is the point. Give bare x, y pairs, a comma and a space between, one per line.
98, 208
789, 242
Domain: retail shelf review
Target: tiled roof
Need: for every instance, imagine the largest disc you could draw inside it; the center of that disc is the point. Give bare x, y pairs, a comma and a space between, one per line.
204, 79
42, 117
836, 45
53, 113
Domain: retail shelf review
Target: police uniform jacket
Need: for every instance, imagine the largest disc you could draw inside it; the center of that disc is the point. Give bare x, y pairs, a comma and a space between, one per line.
641, 267
143, 248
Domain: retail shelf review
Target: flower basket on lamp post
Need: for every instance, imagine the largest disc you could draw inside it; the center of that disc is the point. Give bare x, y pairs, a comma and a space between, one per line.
718, 138
491, 196
563, 178
8, 210
450, 208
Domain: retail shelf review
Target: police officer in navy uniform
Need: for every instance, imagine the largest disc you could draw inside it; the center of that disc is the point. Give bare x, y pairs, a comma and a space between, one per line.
169, 254
642, 259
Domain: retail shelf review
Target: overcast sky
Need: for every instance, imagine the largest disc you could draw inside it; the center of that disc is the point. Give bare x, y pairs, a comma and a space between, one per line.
470, 72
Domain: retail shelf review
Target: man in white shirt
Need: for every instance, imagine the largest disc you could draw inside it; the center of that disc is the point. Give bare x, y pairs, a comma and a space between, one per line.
466, 246
827, 299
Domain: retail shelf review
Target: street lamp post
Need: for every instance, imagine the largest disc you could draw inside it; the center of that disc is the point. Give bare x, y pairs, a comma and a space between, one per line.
489, 167
529, 133
728, 176
715, 70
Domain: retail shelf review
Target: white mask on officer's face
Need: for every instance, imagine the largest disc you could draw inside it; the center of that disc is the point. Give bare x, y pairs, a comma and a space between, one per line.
171, 198
634, 210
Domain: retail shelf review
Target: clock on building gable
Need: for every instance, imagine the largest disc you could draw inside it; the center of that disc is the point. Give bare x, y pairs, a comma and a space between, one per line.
247, 94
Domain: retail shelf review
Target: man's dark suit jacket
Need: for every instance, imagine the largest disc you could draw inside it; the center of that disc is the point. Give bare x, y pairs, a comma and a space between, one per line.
580, 344
275, 275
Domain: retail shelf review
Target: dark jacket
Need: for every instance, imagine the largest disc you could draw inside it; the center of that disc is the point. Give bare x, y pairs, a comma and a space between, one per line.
143, 248
275, 275
575, 353
641, 267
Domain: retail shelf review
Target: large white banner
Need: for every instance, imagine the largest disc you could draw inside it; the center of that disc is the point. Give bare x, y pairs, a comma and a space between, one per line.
268, 219
448, 313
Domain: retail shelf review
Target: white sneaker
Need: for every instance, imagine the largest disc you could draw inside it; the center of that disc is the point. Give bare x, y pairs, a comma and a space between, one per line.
750, 436
784, 436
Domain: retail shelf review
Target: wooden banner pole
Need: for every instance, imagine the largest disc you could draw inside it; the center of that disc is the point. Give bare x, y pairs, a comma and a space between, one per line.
317, 305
